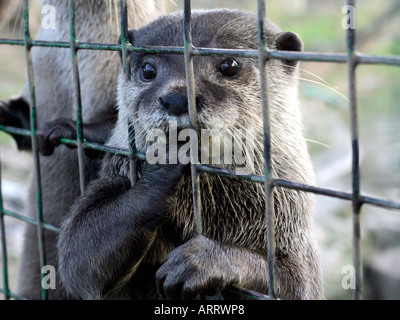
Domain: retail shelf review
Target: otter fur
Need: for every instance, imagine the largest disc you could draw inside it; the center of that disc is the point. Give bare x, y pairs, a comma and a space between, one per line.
140, 242
96, 22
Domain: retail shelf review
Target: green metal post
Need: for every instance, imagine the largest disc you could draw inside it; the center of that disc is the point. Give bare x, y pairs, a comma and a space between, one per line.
36, 158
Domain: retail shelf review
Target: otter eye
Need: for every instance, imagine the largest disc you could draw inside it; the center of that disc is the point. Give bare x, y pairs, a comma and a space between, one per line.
148, 72
229, 67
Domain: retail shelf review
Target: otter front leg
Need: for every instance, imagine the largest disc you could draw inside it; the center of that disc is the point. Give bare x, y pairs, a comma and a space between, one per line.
50, 133
203, 266
15, 113
110, 228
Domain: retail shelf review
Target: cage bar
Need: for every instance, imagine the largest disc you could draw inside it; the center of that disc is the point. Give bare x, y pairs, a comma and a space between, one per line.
124, 37
29, 220
77, 94
356, 203
133, 169
6, 289
33, 122
339, 57
191, 94
269, 213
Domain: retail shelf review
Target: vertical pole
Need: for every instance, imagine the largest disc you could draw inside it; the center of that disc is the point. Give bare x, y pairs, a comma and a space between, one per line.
133, 170
270, 219
127, 71
77, 94
191, 94
125, 38
33, 122
3, 246
356, 203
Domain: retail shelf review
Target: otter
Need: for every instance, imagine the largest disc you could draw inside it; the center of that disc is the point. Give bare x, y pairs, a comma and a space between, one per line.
140, 241
96, 22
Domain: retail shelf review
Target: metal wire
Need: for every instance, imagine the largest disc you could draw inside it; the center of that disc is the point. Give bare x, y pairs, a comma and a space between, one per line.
351, 58
270, 218
33, 123
3, 246
77, 94
133, 169
356, 204
191, 94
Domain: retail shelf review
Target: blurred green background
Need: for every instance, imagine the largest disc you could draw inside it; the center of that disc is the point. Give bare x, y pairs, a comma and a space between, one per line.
323, 93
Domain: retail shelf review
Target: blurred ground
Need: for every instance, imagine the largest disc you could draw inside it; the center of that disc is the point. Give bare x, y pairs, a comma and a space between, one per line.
326, 116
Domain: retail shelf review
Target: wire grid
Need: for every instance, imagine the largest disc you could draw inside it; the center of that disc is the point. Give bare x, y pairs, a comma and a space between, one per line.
351, 58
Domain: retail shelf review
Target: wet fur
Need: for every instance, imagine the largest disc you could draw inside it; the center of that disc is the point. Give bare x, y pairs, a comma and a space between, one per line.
134, 231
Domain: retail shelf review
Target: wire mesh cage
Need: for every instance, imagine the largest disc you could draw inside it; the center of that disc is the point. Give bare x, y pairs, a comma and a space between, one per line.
352, 58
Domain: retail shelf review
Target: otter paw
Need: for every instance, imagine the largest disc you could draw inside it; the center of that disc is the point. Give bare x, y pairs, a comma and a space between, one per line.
158, 175
193, 270
50, 133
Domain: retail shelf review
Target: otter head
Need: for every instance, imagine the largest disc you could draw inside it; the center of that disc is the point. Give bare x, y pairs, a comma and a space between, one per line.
227, 90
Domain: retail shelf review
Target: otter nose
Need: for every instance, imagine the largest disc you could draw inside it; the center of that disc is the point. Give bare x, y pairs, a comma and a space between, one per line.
176, 104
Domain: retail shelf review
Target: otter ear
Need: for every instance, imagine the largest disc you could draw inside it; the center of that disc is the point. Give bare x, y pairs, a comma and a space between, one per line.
131, 37
289, 41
